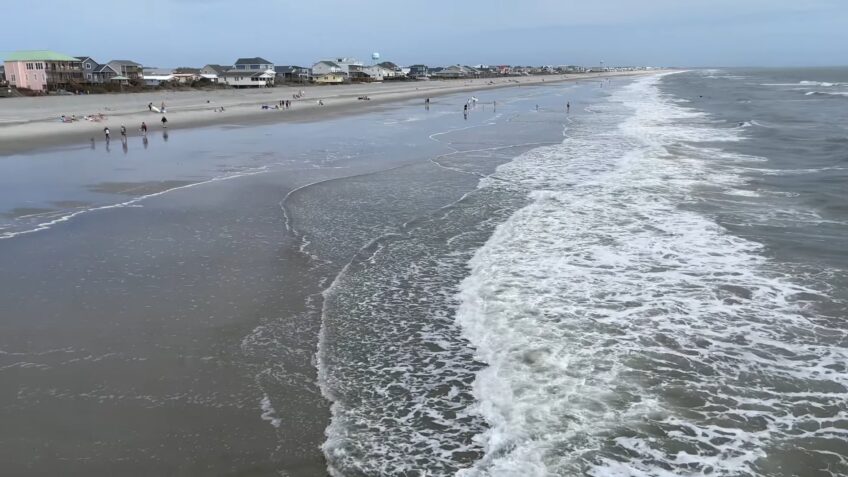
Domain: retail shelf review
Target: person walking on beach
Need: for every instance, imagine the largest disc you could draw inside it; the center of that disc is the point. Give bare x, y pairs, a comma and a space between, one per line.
144, 128
123, 132
106, 133
150, 107
164, 122
568, 107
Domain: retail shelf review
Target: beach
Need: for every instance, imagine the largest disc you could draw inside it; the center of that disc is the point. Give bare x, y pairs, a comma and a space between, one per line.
167, 313
27, 123
651, 283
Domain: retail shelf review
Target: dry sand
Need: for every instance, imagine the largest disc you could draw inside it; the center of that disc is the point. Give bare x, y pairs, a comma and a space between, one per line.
29, 123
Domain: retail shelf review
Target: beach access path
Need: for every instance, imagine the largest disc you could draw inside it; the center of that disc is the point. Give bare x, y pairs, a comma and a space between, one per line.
34, 122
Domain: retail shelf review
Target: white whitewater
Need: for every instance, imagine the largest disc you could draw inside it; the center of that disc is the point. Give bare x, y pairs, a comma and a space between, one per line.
625, 333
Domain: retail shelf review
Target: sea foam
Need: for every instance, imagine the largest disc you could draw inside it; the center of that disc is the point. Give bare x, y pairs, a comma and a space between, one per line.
625, 334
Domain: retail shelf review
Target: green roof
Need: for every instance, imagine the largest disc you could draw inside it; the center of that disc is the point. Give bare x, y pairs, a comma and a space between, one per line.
39, 55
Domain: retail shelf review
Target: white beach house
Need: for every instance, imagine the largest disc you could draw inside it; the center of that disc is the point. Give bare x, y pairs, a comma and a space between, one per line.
254, 72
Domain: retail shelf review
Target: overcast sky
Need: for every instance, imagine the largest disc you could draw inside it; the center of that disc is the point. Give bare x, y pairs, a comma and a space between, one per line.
170, 33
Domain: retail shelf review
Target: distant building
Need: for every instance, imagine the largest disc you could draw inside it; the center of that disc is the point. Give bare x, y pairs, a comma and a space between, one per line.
573, 69
183, 76
292, 74
89, 67
187, 78
253, 64
379, 73
253, 72
418, 71
106, 74
358, 75
128, 69
213, 73
214, 70
346, 65
248, 78
456, 71
336, 77
326, 66
389, 66
42, 70
391, 70
157, 79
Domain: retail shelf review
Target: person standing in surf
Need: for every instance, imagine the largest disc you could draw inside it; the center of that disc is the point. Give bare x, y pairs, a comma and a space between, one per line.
144, 128
164, 122
106, 133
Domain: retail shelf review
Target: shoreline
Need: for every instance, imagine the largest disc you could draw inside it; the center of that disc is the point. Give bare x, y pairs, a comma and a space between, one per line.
210, 289
25, 126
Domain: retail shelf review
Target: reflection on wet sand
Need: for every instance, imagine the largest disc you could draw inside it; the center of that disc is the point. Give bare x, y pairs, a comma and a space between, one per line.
137, 188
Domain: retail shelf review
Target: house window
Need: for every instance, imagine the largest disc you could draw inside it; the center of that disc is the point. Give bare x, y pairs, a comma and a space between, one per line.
89, 76
254, 67
88, 66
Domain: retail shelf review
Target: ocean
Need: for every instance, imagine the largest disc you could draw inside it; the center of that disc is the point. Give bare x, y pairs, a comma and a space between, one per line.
663, 292
653, 283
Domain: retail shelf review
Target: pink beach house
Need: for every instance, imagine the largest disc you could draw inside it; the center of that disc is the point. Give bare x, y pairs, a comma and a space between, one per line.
42, 70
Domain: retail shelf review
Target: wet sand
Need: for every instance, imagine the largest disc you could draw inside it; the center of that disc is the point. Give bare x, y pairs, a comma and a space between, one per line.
177, 335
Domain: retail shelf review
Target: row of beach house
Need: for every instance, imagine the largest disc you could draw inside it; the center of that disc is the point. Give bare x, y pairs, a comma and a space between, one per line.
44, 71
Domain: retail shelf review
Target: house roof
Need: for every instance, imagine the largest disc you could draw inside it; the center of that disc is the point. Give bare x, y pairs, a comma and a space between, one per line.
245, 73
388, 65
253, 61
218, 68
103, 68
125, 63
288, 69
84, 58
329, 63
39, 55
